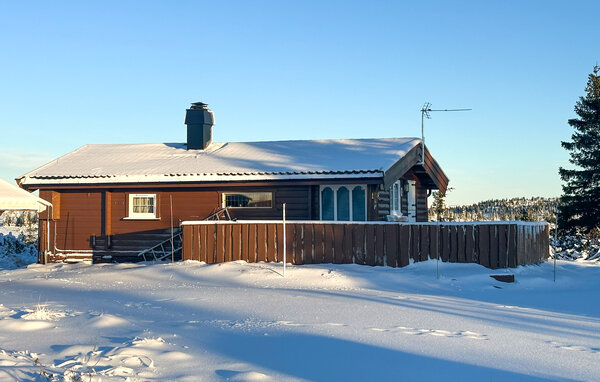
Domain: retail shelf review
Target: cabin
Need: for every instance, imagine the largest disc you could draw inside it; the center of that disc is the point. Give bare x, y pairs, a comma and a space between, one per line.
111, 202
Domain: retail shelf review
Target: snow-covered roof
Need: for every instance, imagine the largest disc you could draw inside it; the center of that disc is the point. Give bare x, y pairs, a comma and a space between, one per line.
14, 198
239, 161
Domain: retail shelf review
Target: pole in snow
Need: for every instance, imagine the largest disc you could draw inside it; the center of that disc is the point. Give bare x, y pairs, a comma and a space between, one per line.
172, 244
284, 247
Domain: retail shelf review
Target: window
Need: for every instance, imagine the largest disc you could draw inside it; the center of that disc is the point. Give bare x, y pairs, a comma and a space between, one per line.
396, 198
343, 203
142, 206
248, 199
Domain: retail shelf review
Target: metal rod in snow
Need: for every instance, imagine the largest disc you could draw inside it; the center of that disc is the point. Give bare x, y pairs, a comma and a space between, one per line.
284, 240
172, 244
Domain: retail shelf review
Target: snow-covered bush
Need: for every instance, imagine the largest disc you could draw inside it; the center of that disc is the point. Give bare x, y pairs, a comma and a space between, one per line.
23, 223
15, 253
576, 247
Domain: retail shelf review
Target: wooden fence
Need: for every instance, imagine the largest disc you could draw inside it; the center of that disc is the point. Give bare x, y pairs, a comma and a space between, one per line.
491, 244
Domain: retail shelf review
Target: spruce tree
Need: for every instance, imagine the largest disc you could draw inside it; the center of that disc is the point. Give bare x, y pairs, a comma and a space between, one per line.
579, 208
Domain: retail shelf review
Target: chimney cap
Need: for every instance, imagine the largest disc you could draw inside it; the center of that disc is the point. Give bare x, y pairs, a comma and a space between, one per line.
199, 106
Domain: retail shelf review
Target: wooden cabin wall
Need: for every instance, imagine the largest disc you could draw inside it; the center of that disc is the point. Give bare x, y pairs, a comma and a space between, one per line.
421, 200
78, 216
81, 214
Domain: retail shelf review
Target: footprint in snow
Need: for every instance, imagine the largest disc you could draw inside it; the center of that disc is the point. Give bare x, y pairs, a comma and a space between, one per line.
434, 332
580, 348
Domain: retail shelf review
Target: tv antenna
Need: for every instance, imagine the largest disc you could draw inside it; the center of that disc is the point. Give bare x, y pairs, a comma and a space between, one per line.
425, 114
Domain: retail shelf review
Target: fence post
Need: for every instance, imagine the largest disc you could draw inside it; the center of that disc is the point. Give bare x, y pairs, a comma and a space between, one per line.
284, 241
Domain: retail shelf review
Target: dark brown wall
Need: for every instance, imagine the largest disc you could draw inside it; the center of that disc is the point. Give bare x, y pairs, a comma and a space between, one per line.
421, 199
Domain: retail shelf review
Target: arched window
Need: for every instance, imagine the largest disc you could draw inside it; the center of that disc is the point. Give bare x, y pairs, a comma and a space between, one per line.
327, 204
343, 204
358, 204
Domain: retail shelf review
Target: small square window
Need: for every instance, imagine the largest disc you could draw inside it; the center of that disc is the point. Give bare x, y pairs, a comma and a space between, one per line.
142, 206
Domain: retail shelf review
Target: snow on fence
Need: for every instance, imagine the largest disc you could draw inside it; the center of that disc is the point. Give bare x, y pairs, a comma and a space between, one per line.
491, 244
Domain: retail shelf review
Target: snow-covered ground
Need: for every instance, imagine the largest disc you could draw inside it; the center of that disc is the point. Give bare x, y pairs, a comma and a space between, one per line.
236, 321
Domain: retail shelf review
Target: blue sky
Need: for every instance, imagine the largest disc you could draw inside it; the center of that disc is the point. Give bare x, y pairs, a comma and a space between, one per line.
124, 72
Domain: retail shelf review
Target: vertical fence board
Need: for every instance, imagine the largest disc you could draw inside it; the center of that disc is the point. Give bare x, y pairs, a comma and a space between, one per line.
244, 242
211, 243
318, 239
370, 245
329, 240
299, 244
279, 242
347, 244
445, 242
512, 245
338, 254
379, 244
391, 245
358, 243
290, 229
469, 244
236, 236
404, 246
228, 242
424, 248
454, 232
307, 257
414, 239
261, 242
434, 241
502, 246
271, 243
252, 238
460, 243
494, 247
220, 245
202, 244
187, 252
484, 245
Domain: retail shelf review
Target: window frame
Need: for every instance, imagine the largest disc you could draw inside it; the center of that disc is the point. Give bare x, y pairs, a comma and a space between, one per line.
142, 215
396, 198
350, 188
225, 193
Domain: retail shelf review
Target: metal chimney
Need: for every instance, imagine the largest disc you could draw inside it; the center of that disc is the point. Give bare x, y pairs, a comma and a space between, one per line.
199, 120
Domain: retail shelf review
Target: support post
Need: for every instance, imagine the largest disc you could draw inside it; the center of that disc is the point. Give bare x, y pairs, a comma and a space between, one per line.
284, 242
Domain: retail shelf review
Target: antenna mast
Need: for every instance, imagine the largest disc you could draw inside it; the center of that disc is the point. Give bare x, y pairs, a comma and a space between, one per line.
425, 113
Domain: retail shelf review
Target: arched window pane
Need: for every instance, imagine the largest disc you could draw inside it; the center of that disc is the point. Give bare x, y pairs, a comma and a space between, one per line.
343, 204
358, 204
327, 204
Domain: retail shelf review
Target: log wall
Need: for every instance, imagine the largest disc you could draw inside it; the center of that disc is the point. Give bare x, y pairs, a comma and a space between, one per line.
493, 245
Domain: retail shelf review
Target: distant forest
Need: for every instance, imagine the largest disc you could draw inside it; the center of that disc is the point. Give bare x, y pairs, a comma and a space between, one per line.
526, 209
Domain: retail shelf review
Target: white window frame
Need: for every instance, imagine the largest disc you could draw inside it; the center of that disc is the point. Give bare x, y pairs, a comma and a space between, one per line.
142, 215
396, 208
224, 198
335, 188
